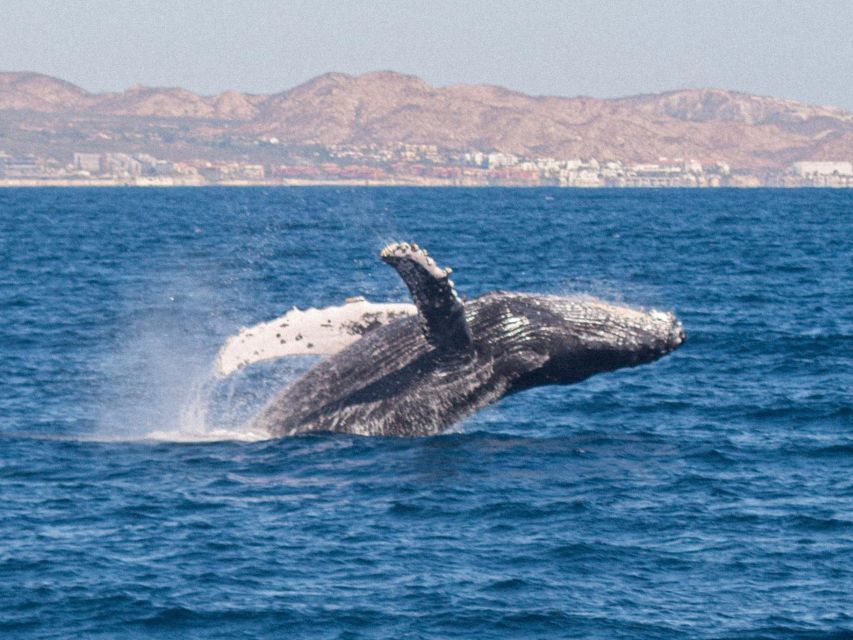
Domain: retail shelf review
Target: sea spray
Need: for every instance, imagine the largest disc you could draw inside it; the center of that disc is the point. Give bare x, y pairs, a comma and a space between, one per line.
212, 411
158, 379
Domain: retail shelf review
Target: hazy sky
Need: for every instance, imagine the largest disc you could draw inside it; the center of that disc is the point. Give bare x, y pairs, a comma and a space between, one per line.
604, 48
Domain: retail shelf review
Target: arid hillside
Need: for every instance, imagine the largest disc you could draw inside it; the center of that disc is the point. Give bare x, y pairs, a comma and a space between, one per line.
41, 113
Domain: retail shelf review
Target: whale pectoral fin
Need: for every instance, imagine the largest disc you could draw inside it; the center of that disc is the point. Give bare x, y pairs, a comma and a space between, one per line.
441, 312
312, 332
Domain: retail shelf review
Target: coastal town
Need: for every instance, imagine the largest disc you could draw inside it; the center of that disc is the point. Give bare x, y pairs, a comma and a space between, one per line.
400, 165
388, 128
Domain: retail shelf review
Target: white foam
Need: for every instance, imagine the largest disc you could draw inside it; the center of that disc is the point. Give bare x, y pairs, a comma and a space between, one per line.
196, 424
208, 435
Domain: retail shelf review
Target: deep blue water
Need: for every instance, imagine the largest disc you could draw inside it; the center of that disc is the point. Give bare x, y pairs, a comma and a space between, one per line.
708, 495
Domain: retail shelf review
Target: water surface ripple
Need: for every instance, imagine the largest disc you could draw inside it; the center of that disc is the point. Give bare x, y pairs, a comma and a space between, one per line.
706, 496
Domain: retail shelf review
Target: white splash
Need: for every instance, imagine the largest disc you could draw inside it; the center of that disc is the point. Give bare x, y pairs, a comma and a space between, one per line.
208, 435
195, 422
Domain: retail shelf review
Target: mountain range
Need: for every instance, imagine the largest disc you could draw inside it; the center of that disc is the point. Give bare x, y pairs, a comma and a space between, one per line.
42, 114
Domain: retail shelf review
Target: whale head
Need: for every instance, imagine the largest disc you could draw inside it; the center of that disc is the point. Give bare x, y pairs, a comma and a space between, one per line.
576, 337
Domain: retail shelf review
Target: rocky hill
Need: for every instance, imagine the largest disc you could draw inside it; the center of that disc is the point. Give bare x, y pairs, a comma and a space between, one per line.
48, 114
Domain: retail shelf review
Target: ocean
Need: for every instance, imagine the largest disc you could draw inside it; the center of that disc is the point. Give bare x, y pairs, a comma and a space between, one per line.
707, 495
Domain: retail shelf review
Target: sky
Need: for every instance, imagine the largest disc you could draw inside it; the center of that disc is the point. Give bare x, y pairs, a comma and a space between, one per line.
794, 49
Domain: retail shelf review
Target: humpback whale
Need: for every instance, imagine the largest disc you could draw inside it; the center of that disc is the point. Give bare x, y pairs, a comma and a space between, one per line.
416, 374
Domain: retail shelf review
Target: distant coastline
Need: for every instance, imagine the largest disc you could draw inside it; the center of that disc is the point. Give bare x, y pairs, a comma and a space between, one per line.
103, 184
406, 165
739, 182
386, 129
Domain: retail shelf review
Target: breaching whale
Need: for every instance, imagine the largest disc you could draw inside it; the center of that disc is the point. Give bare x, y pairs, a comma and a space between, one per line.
415, 374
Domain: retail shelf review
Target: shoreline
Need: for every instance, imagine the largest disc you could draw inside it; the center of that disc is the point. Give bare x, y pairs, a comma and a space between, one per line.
145, 184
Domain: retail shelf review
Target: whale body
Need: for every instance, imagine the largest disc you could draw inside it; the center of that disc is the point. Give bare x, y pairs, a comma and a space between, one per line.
419, 374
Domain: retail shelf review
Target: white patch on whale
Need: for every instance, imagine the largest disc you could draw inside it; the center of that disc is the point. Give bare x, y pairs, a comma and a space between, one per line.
309, 332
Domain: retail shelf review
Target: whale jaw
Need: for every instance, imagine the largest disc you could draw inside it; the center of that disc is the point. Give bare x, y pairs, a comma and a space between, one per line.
582, 336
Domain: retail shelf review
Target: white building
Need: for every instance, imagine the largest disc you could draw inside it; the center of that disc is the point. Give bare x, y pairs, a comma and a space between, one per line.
120, 165
580, 178
501, 160
476, 158
21, 166
90, 162
693, 166
813, 169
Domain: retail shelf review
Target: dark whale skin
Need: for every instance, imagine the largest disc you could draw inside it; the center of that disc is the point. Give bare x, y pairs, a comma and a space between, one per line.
395, 382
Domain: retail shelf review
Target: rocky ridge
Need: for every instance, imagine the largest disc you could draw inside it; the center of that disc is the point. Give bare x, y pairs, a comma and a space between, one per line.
385, 108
